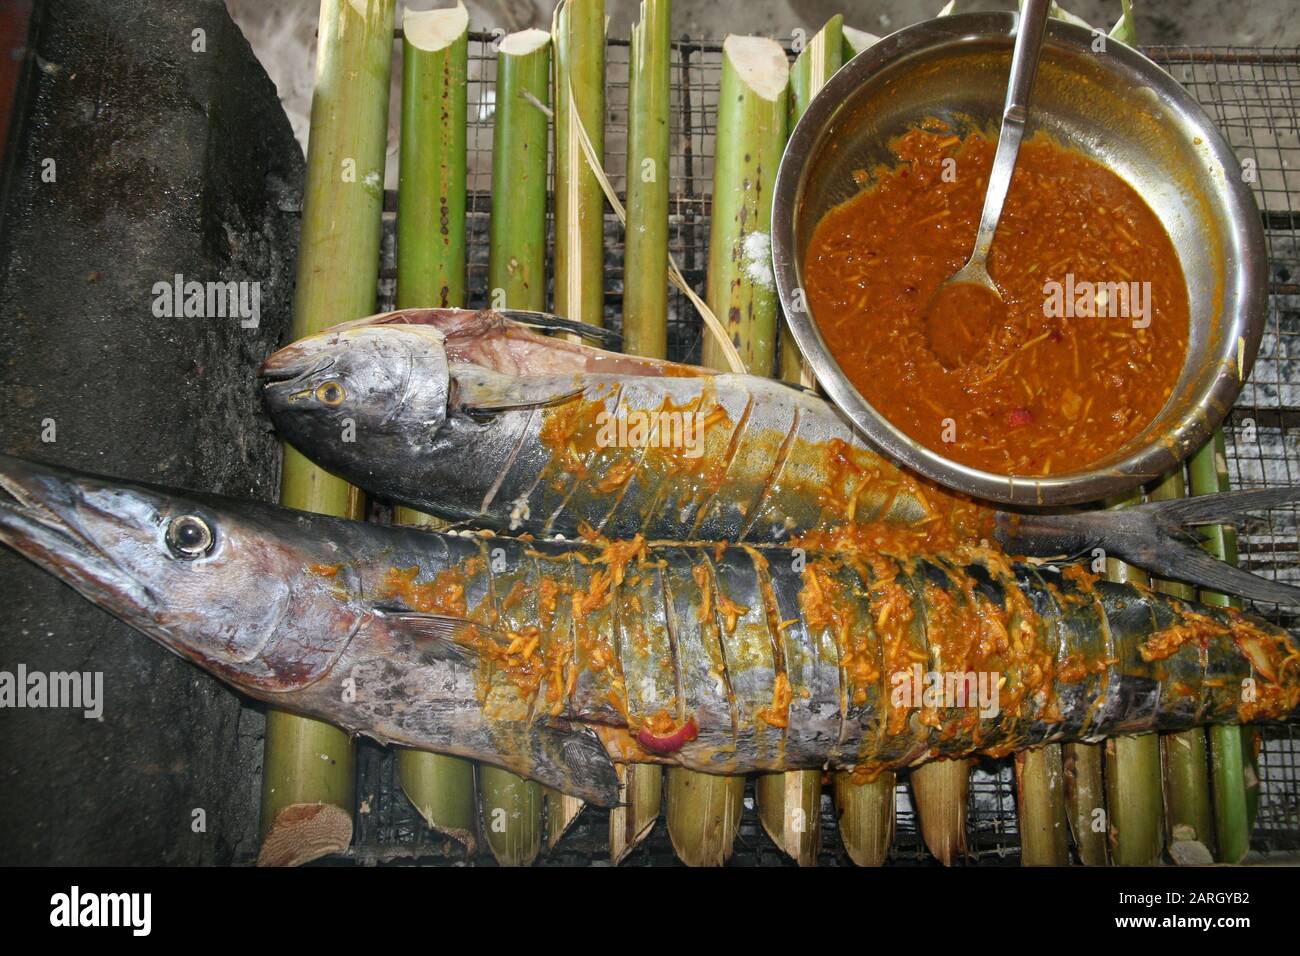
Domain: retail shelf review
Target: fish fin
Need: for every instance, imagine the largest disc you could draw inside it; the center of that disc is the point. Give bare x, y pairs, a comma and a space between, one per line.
570, 758
1181, 561
443, 636
483, 398
554, 323
488, 409
1219, 508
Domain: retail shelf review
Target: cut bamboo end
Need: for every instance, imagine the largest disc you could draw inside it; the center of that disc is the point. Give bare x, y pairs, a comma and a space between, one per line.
441, 789
940, 790
760, 63
789, 808
434, 30
866, 817
562, 811
301, 833
512, 821
855, 41
523, 42
703, 813
1040, 800
1085, 801
640, 797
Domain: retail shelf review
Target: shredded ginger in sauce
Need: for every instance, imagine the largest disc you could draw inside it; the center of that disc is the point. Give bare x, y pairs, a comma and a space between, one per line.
1036, 392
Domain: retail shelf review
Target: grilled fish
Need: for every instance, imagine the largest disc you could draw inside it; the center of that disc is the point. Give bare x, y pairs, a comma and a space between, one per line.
554, 659
471, 417
476, 418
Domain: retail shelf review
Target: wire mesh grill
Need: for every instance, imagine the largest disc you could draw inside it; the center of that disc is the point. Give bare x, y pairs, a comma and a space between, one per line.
1254, 97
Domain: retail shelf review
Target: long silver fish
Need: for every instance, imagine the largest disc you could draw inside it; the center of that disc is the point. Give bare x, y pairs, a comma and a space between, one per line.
473, 417
554, 659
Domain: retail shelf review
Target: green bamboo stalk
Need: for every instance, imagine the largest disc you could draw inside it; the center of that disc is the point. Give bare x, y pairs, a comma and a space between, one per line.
1188, 815
1208, 471
789, 808
703, 813
645, 311
1134, 792
307, 769
1085, 801
512, 815
640, 795
940, 792
431, 187
517, 231
751, 132
645, 252
512, 807
431, 272
816, 64
579, 98
704, 810
1040, 799
579, 201
866, 817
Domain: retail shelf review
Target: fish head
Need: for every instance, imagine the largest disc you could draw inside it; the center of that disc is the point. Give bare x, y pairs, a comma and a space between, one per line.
356, 395
226, 584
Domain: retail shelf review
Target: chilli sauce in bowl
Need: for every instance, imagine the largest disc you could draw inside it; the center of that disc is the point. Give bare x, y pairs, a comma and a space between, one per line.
1130, 259
1085, 349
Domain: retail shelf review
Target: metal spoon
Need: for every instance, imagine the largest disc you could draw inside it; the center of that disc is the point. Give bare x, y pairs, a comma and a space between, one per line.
1024, 65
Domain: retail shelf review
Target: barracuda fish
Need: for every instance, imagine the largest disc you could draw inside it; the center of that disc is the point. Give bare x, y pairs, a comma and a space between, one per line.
554, 659
474, 417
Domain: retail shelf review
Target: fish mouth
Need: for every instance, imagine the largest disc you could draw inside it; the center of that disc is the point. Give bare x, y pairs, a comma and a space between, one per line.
39, 507
292, 369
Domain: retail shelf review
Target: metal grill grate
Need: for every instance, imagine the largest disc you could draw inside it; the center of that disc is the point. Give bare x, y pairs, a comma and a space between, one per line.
1253, 96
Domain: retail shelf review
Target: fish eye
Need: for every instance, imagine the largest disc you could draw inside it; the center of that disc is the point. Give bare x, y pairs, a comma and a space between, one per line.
189, 536
330, 393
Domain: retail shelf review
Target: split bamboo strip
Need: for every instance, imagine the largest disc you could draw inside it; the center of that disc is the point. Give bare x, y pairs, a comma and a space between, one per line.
816, 64
307, 771
1208, 471
579, 98
940, 792
517, 231
1189, 820
1085, 801
1134, 797
645, 251
866, 817
431, 272
704, 809
751, 132
1040, 800
511, 806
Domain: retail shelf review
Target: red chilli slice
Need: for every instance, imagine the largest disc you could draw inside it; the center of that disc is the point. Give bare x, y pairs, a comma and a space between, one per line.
668, 743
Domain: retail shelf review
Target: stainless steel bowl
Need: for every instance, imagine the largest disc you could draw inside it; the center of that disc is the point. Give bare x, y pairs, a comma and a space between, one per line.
1116, 107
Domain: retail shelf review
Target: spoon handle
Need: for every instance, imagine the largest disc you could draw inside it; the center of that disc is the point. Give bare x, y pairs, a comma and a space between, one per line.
1024, 65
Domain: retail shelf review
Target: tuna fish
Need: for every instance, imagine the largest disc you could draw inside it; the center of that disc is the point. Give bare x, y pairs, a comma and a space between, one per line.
476, 418
554, 659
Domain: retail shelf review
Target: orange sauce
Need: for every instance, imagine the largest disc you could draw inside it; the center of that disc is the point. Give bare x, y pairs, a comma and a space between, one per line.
1082, 354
